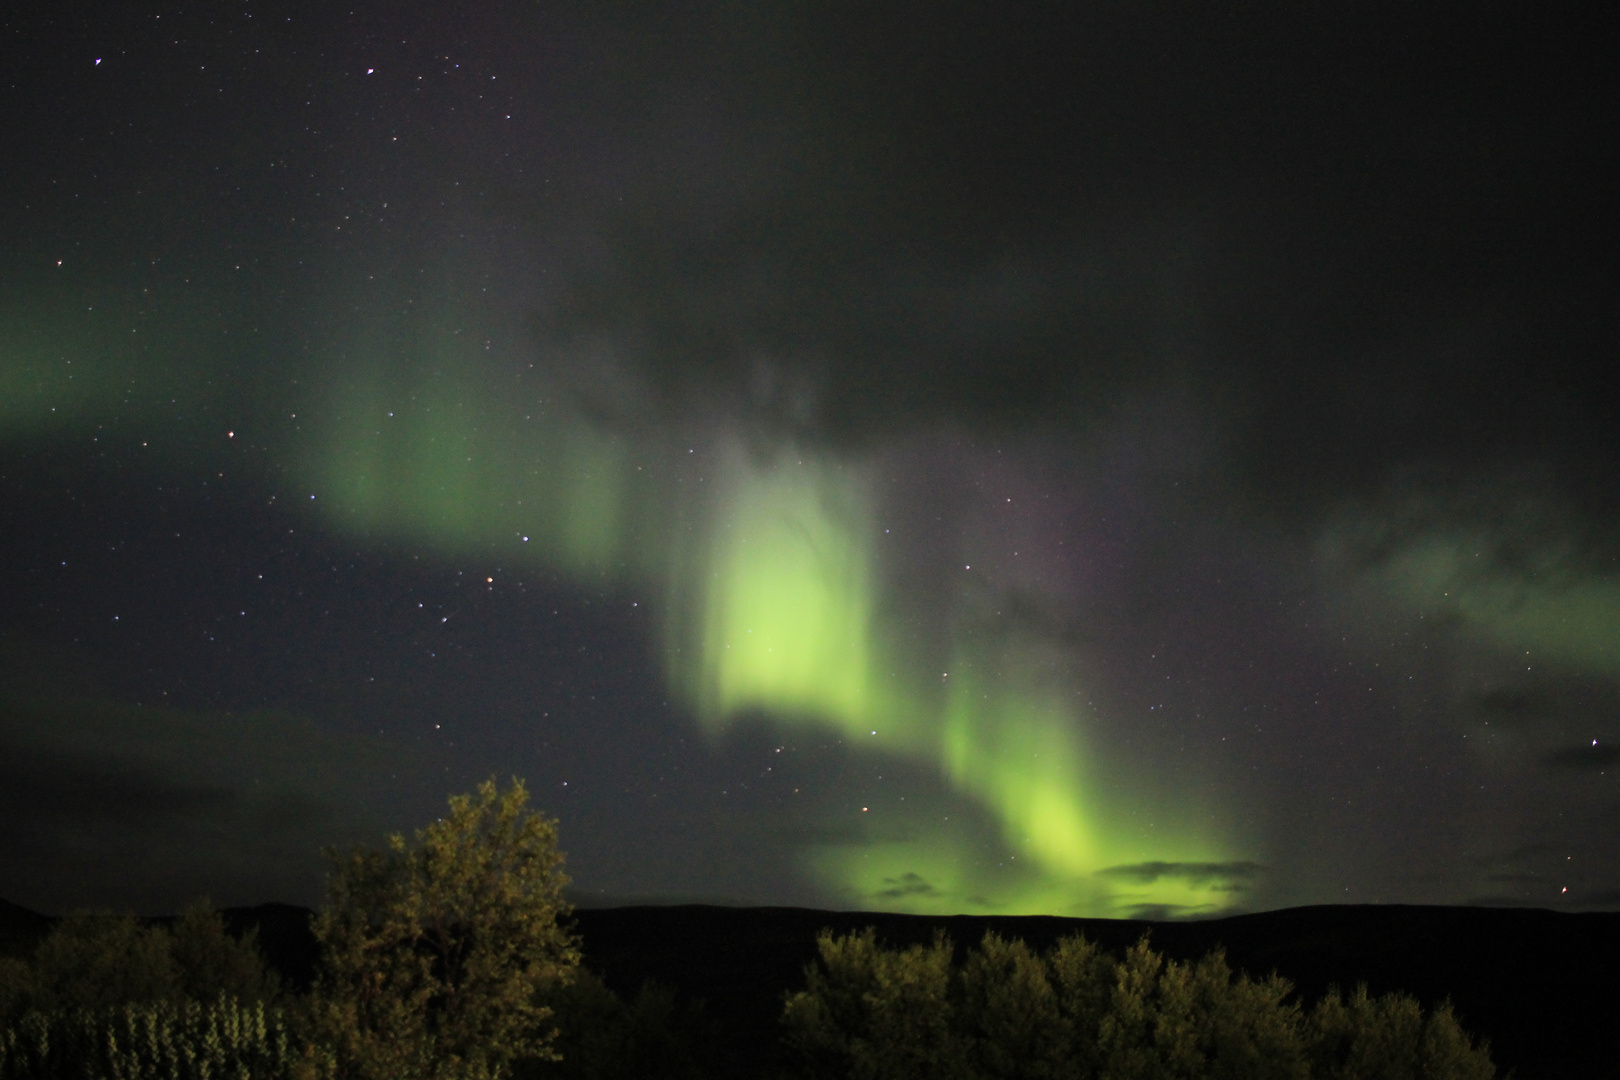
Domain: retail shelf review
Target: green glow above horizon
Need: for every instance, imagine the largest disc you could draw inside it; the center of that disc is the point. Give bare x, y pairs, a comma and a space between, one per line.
1545, 611
945, 873
62, 371
775, 607
431, 455
1018, 753
788, 625
787, 600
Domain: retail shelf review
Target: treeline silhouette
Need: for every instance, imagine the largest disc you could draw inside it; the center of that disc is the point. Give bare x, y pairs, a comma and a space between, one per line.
105, 996
455, 958
871, 1012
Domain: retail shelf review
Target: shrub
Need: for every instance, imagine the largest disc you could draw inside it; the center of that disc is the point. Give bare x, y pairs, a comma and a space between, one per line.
211, 962
1171, 1019
870, 1012
156, 1041
600, 1036
1011, 1022
94, 960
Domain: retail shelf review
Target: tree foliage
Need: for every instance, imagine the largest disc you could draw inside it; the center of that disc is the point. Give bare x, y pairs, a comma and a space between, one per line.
210, 962
1390, 1037
601, 1036
872, 1013
436, 957
96, 960
1005, 1012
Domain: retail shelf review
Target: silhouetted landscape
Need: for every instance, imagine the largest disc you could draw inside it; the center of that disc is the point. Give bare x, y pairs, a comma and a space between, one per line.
1537, 984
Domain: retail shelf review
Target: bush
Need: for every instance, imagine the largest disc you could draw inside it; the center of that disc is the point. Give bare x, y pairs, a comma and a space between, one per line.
210, 962
1172, 1019
1011, 1022
93, 960
600, 1036
1005, 1012
157, 1041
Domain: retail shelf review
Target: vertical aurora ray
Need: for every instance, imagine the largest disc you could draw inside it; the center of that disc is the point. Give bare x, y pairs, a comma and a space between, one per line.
777, 606
428, 450
1017, 751
68, 367
786, 596
788, 626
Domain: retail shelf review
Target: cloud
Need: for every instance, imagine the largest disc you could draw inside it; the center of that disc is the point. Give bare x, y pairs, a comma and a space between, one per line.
1168, 912
1593, 756
907, 885
1525, 877
1502, 900
1215, 874
816, 833
1502, 560
1513, 707
48, 788
103, 803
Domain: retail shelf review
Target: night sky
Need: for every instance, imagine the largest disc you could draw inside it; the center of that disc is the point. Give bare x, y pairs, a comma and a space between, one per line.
1139, 459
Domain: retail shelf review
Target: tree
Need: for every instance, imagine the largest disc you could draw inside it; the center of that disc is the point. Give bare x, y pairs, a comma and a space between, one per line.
95, 960
602, 1036
1011, 1014
1173, 1019
1083, 974
436, 957
210, 962
870, 1012
1391, 1037
92, 960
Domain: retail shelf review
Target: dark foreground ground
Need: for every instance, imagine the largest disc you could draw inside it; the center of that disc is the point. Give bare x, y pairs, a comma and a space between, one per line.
1543, 986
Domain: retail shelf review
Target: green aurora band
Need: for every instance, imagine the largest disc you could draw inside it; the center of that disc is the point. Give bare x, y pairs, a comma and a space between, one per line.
790, 626
440, 458
776, 604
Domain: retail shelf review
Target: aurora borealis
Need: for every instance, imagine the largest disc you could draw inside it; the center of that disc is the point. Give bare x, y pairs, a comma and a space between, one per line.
1132, 461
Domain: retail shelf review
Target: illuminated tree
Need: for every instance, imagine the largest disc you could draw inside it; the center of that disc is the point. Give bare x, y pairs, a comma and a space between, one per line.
1010, 1013
1078, 1014
436, 956
1173, 1019
871, 1013
1391, 1036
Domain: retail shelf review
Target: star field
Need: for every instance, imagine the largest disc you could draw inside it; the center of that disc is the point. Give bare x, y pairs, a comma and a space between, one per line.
1114, 461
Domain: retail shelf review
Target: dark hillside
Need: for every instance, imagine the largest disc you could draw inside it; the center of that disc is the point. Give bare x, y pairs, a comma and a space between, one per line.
284, 936
20, 929
1540, 984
